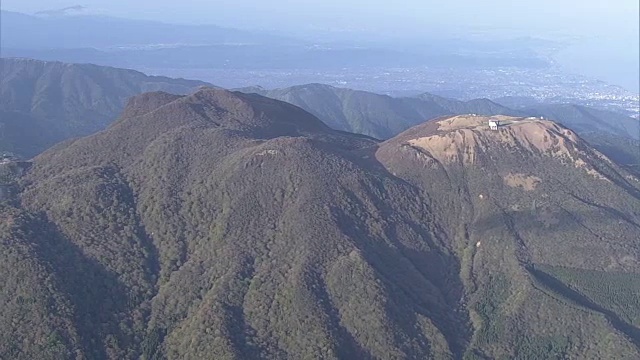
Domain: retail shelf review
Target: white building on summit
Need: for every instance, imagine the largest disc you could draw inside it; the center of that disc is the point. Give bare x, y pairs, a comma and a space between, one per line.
493, 124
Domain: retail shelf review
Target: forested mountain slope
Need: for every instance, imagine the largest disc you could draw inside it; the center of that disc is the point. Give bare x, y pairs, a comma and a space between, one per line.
232, 226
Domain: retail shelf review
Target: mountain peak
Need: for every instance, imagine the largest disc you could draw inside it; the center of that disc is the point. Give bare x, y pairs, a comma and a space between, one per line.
210, 114
478, 140
236, 110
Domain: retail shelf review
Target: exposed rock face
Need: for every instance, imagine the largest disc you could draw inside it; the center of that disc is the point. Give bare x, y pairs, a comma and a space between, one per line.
526, 182
468, 139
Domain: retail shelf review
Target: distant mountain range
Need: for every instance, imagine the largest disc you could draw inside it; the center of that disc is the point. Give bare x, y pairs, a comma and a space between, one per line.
56, 36
383, 116
585, 119
57, 31
233, 226
43, 103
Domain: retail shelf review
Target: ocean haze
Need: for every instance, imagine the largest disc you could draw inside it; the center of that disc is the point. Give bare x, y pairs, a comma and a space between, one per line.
602, 38
570, 16
609, 59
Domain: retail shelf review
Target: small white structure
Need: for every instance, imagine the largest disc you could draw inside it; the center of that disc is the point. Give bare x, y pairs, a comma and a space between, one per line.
493, 124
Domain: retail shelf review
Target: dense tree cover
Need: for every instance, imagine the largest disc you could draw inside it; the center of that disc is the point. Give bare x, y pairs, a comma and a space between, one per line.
623, 150
616, 291
230, 226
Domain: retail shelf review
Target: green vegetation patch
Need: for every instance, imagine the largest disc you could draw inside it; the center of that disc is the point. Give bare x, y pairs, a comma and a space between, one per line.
8, 173
614, 291
542, 348
490, 302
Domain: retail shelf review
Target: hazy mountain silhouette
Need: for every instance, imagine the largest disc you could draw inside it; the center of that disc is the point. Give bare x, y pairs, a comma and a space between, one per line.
42, 103
57, 30
76, 36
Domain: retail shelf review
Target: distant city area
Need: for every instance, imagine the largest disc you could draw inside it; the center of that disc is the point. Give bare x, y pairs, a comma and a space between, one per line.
551, 85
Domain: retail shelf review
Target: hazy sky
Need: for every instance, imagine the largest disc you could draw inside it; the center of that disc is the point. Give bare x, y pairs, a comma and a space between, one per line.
535, 16
605, 31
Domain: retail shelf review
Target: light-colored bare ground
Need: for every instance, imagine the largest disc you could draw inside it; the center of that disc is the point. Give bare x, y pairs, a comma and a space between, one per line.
528, 183
464, 136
